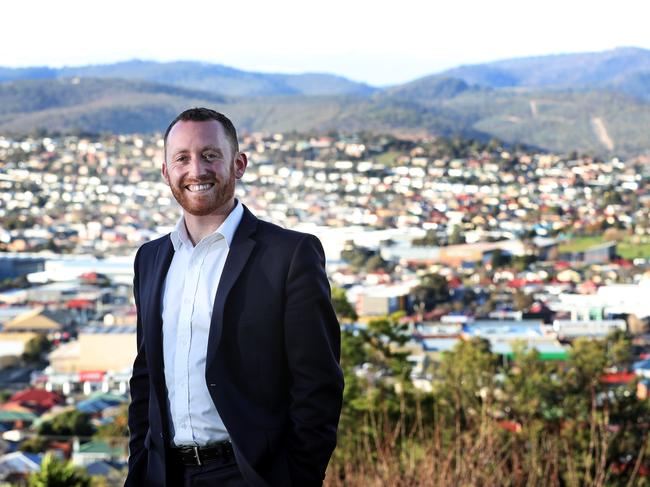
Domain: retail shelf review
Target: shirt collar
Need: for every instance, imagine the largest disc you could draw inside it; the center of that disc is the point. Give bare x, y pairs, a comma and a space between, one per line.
226, 230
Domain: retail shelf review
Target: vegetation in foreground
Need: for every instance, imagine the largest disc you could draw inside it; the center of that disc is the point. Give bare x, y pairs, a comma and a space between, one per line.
531, 422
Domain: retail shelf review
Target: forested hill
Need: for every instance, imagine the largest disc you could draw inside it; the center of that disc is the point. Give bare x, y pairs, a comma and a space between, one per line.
598, 102
201, 76
625, 70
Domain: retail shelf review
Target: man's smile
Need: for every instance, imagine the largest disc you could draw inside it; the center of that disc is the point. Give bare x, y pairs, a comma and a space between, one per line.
197, 188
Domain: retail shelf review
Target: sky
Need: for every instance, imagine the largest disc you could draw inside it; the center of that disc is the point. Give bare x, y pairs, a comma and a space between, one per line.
378, 42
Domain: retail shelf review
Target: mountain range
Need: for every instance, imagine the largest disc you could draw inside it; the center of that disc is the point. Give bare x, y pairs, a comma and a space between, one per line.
595, 102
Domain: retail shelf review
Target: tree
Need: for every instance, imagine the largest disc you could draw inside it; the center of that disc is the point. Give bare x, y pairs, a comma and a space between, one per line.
356, 256
523, 262
36, 347
522, 301
69, 423
119, 427
532, 391
466, 376
58, 474
581, 378
430, 239
619, 350
457, 236
385, 337
35, 444
342, 307
375, 263
433, 289
499, 259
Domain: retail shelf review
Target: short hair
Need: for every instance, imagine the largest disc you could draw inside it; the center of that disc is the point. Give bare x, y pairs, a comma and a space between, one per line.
201, 114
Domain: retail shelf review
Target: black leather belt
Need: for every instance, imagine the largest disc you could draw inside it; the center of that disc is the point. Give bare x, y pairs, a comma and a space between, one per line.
199, 455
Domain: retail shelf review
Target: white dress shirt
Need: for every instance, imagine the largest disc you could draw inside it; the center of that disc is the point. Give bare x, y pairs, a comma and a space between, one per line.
188, 296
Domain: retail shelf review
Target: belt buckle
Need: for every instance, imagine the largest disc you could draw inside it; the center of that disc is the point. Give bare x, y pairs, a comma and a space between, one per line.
197, 456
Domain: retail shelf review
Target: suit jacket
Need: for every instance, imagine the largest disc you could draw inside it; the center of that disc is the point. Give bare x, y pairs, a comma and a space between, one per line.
272, 365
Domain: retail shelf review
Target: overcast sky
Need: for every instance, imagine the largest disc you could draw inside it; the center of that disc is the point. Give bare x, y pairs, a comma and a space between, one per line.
378, 42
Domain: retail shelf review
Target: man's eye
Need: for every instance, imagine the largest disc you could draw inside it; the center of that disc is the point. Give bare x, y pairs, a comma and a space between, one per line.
181, 159
210, 156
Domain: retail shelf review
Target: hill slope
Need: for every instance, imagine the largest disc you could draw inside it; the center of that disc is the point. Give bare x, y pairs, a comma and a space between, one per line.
518, 101
202, 76
93, 105
624, 69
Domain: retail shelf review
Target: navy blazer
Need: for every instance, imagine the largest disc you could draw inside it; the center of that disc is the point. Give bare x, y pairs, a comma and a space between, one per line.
272, 365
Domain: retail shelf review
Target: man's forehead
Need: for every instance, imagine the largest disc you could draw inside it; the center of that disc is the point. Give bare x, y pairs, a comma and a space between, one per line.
188, 130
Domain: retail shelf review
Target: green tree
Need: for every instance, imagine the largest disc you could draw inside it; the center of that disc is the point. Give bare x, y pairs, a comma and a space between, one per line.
432, 290
457, 236
375, 263
380, 404
523, 262
466, 377
499, 259
35, 444
58, 474
119, 427
532, 390
619, 350
356, 256
342, 307
430, 239
385, 338
581, 378
36, 347
69, 423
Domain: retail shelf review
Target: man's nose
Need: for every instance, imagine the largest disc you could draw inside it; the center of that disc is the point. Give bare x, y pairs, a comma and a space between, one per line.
197, 166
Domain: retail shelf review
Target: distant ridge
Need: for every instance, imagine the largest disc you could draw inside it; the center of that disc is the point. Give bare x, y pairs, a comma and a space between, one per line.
625, 69
201, 76
594, 102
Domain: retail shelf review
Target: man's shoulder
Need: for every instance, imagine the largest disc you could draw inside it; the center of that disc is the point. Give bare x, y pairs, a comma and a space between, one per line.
153, 245
149, 250
284, 243
273, 233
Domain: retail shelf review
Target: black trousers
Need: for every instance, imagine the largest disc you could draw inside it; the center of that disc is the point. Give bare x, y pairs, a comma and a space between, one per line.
223, 472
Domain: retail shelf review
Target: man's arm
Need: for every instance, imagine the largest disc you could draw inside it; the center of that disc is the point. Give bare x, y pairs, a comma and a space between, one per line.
313, 347
139, 407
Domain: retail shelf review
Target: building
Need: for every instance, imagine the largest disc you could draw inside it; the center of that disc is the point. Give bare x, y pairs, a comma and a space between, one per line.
14, 265
85, 365
94, 451
37, 320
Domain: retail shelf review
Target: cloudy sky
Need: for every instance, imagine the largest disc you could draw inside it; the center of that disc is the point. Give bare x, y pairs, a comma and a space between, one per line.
379, 42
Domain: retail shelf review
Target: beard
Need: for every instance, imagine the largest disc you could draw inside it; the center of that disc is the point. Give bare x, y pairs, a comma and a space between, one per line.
204, 203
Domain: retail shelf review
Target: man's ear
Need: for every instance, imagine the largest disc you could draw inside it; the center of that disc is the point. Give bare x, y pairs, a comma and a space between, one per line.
165, 175
240, 164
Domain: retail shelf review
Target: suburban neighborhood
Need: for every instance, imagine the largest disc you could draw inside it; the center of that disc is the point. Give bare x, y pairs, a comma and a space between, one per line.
454, 239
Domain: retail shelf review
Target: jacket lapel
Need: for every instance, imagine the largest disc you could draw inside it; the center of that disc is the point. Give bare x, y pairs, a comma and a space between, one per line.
240, 251
161, 264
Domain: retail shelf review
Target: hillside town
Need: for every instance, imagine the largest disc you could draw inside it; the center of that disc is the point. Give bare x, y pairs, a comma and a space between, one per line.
454, 238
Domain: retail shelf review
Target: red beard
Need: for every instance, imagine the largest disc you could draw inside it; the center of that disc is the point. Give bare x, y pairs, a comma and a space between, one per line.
207, 202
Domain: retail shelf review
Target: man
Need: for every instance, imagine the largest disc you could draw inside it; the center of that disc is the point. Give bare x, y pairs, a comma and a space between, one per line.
236, 379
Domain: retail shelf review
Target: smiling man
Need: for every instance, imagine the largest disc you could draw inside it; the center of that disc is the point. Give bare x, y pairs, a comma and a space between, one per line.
236, 379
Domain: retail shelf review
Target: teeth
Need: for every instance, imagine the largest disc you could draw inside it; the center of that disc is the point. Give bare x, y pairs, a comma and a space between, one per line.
199, 187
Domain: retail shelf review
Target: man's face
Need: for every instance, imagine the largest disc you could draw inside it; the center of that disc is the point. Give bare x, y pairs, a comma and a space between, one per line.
200, 167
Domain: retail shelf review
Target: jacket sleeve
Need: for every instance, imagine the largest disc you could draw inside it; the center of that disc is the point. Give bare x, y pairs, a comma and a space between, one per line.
138, 409
313, 346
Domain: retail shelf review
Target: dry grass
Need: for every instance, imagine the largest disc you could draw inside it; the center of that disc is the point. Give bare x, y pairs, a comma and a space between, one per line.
480, 455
